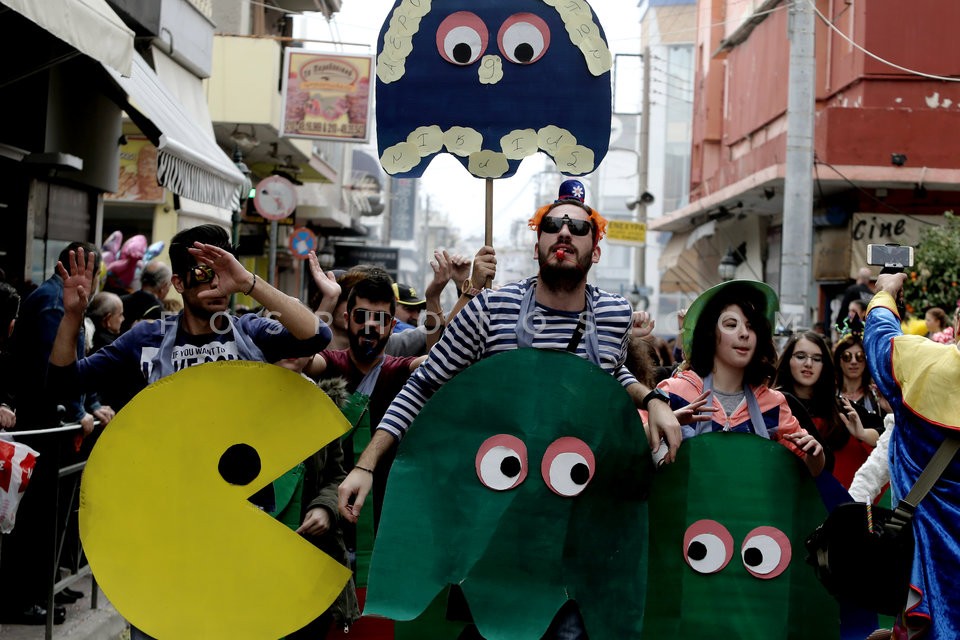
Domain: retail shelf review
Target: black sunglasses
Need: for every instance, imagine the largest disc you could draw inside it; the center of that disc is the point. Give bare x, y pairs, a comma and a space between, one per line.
363, 316
553, 224
202, 274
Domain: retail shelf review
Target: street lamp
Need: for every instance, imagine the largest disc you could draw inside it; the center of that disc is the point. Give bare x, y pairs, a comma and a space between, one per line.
729, 263
727, 268
244, 191
326, 258
634, 296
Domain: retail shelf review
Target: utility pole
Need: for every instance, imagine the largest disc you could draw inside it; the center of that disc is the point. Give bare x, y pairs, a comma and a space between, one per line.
387, 219
796, 270
643, 169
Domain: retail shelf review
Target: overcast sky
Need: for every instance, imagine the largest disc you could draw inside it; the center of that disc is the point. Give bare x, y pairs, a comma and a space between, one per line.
452, 189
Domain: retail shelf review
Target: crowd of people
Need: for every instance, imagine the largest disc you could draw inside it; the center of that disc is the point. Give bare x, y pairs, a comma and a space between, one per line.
78, 356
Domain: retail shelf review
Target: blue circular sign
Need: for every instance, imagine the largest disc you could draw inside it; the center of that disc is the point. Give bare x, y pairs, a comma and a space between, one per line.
302, 242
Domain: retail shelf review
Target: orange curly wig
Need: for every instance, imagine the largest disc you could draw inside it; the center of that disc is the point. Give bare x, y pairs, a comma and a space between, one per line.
599, 222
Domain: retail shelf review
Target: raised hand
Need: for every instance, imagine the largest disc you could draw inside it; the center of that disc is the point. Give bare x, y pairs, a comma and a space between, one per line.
326, 282
232, 277
77, 281
460, 268
642, 324
442, 272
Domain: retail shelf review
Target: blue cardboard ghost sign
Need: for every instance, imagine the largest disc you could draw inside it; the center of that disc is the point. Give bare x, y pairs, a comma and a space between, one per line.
492, 83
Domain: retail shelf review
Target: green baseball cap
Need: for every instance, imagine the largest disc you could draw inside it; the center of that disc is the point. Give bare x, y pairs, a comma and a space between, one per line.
761, 292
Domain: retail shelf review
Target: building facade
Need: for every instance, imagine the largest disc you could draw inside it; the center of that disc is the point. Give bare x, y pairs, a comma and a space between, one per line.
882, 168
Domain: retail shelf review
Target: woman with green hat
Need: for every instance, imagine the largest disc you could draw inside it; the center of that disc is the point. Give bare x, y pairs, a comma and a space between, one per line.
729, 353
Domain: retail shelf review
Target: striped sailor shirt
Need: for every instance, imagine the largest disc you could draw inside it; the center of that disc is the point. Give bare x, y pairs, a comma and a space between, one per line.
488, 325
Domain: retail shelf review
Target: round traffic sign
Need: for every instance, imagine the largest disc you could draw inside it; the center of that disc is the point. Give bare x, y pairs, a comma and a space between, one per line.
302, 241
276, 198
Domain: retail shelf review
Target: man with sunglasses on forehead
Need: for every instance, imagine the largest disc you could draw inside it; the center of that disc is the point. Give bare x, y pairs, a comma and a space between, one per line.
206, 274
544, 312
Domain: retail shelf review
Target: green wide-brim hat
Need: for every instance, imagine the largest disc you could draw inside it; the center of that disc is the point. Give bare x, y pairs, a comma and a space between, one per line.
692, 317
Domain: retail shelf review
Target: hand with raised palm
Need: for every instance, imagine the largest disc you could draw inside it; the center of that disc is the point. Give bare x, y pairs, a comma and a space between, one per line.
232, 277
77, 281
326, 282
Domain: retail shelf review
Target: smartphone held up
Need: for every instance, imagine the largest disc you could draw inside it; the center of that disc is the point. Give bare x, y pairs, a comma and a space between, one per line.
894, 258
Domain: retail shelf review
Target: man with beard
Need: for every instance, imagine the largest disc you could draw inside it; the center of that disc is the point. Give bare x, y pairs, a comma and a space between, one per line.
373, 378
557, 310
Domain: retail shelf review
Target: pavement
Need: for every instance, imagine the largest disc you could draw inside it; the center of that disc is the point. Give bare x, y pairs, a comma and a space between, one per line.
82, 623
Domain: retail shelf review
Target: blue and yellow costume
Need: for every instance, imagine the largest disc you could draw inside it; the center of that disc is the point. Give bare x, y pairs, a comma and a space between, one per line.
919, 378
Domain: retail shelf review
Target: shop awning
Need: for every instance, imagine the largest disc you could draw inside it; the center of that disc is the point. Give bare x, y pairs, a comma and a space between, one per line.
89, 26
190, 163
688, 263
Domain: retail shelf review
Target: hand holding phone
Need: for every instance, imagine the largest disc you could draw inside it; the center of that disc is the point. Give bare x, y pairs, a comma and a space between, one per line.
894, 258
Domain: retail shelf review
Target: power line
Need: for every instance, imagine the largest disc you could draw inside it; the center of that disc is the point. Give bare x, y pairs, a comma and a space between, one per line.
739, 20
853, 184
671, 97
919, 219
274, 7
671, 75
685, 90
840, 33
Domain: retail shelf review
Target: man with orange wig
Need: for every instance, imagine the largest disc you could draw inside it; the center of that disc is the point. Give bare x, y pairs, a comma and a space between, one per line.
557, 309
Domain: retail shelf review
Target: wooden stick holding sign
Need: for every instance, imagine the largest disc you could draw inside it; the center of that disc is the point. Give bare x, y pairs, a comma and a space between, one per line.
488, 232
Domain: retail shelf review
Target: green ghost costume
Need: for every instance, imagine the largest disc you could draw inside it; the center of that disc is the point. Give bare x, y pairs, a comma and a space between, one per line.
357, 413
523, 481
726, 547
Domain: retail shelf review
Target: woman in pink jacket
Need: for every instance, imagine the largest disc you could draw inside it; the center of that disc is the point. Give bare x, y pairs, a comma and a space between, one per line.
729, 352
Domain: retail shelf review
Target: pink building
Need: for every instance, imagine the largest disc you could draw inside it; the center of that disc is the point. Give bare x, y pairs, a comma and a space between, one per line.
885, 138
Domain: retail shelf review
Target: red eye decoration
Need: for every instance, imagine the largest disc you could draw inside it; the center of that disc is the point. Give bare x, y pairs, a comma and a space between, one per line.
502, 462
524, 38
462, 38
707, 546
766, 552
568, 466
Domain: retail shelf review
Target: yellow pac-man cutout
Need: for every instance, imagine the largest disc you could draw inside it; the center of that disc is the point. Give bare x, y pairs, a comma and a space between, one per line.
179, 551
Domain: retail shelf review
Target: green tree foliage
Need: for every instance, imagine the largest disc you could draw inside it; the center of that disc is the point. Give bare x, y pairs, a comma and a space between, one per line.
933, 282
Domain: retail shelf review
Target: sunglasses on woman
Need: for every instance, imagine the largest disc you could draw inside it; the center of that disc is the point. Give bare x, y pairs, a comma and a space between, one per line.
363, 316
553, 224
847, 356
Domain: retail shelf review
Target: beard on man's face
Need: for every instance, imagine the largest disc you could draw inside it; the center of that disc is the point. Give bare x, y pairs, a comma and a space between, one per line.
366, 344
566, 275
